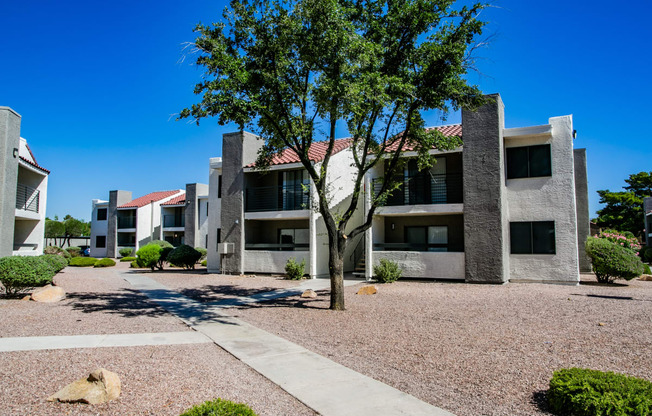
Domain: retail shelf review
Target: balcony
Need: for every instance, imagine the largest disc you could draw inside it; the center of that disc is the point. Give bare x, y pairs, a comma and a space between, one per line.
276, 198
174, 221
425, 189
277, 247
126, 222
27, 198
411, 247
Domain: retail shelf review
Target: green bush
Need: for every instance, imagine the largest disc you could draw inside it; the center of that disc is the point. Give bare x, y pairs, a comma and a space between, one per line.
104, 263
584, 392
148, 255
294, 270
612, 261
219, 407
184, 256
203, 252
19, 274
647, 255
83, 261
204, 263
57, 263
126, 251
134, 265
73, 248
646, 269
387, 271
161, 243
58, 251
165, 252
129, 259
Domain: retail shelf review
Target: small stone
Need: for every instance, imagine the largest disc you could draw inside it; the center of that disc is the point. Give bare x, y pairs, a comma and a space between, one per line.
601, 323
646, 277
309, 294
367, 290
48, 294
28, 297
100, 386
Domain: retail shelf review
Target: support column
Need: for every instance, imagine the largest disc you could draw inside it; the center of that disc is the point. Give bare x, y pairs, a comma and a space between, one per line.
582, 207
9, 148
116, 198
313, 231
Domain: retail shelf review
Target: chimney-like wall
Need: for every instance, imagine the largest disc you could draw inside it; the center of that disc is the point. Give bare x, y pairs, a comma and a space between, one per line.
582, 207
9, 148
116, 198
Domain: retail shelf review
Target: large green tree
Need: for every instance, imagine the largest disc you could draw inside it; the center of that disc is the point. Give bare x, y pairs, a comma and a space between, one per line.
623, 210
291, 70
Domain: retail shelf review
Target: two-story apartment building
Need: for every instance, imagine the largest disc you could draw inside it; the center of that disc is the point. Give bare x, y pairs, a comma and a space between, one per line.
647, 211
23, 191
184, 218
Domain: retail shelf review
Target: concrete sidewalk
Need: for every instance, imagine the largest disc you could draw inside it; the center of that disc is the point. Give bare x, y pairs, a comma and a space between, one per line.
323, 385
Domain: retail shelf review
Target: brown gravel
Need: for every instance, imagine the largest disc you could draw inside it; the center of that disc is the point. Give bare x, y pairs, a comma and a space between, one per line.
473, 349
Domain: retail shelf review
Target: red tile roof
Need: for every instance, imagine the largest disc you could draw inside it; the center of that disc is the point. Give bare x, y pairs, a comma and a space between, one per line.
144, 200
448, 131
316, 153
29, 162
178, 200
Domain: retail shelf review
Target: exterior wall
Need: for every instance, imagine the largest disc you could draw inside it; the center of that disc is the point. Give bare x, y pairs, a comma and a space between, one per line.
485, 226
192, 234
99, 228
214, 215
455, 225
547, 199
423, 264
29, 227
9, 145
202, 222
582, 205
116, 198
647, 209
259, 261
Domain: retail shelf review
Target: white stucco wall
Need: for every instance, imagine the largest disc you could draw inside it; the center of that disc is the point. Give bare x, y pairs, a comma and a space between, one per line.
98, 228
435, 265
214, 220
260, 261
546, 199
202, 222
29, 227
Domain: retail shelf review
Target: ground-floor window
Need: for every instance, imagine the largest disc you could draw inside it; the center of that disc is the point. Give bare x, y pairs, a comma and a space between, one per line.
100, 241
536, 237
294, 239
430, 238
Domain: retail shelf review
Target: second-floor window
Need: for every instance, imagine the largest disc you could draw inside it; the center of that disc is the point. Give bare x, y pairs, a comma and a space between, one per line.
529, 161
101, 214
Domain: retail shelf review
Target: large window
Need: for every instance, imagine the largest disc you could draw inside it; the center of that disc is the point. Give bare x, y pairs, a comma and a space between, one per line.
532, 237
101, 214
100, 241
294, 239
432, 238
529, 161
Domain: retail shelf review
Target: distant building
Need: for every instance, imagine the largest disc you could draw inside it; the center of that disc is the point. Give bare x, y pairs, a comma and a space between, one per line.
647, 209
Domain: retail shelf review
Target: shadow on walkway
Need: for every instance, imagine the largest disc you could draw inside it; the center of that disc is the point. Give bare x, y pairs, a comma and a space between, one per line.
127, 302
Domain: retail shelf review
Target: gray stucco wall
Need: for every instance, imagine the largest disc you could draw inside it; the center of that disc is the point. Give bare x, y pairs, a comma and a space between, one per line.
582, 206
9, 140
647, 207
483, 178
116, 198
455, 224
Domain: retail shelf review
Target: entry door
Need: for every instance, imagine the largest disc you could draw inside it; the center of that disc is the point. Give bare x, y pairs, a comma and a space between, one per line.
438, 186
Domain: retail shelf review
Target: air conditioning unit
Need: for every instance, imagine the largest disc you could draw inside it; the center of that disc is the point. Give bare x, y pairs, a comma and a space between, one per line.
225, 248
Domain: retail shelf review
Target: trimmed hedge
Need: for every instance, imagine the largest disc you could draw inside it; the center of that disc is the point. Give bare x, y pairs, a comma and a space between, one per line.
104, 263
184, 256
204, 263
126, 252
294, 270
83, 261
584, 392
129, 259
161, 243
387, 271
646, 269
612, 261
57, 263
148, 255
219, 407
203, 253
57, 250
18, 274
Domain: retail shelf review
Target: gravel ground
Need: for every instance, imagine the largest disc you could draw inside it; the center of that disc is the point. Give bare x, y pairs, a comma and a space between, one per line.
98, 301
156, 380
473, 349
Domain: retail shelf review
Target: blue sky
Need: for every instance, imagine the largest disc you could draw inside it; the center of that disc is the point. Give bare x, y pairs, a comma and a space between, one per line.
98, 85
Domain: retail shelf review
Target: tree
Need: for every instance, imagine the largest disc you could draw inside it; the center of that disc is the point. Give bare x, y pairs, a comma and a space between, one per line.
75, 228
290, 71
54, 229
624, 209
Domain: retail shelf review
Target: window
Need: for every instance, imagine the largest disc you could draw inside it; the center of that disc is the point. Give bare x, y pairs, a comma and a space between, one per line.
100, 241
296, 239
219, 238
207, 208
529, 161
101, 214
532, 237
219, 186
432, 238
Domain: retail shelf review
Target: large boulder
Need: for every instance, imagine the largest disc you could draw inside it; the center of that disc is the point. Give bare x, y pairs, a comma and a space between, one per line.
99, 387
367, 290
48, 294
311, 294
646, 277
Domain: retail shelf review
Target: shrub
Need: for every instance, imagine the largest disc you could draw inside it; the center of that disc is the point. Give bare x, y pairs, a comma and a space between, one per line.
104, 263
204, 263
584, 392
219, 407
83, 261
165, 252
184, 256
294, 270
73, 249
134, 265
126, 252
18, 274
647, 255
129, 259
646, 269
387, 271
203, 252
57, 263
161, 243
58, 251
612, 261
148, 255
625, 239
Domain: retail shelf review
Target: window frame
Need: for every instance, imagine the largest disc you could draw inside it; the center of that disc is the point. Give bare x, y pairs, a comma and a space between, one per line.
98, 246
106, 214
510, 155
532, 236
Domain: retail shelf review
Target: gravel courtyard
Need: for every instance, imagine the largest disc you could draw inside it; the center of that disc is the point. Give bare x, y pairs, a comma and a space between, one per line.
470, 349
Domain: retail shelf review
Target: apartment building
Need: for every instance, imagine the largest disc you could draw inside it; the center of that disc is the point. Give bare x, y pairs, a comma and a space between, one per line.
184, 218
509, 205
647, 211
23, 187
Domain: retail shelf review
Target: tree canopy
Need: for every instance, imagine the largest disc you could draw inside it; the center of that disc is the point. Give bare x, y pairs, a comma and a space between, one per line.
623, 210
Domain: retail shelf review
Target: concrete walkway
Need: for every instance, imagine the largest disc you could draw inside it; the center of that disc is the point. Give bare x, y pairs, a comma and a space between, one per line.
95, 341
323, 385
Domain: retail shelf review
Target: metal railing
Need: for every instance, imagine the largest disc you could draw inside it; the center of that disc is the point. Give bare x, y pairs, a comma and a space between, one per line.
126, 222
174, 221
27, 198
277, 247
276, 198
411, 247
31, 246
424, 188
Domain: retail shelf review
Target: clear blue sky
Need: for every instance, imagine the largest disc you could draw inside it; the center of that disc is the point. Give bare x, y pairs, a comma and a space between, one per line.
98, 85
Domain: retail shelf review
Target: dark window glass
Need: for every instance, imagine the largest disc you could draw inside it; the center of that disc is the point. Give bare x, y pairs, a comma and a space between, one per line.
100, 241
517, 161
540, 164
219, 237
532, 237
207, 208
529, 161
101, 214
219, 186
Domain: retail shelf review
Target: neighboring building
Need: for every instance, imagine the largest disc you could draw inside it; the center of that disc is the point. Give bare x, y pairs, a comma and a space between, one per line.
510, 205
184, 219
647, 209
23, 191
99, 228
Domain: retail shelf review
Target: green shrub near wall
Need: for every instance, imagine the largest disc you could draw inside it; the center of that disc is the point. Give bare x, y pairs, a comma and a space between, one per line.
387, 271
294, 270
57, 250
18, 274
83, 261
219, 407
148, 255
184, 256
612, 261
128, 259
203, 252
126, 252
583, 392
104, 263
57, 263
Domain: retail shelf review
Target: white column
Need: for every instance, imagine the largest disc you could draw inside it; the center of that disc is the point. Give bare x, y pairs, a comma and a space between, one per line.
313, 231
369, 241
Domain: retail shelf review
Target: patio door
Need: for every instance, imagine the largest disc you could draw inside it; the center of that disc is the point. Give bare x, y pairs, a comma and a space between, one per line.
292, 193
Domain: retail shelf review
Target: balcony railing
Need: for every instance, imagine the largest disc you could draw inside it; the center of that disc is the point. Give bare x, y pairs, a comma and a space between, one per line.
412, 247
126, 222
424, 188
277, 247
27, 198
276, 198
170, 221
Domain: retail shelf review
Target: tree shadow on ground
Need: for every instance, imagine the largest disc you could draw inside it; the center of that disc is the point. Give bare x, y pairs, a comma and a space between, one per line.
128, 303
319, 303
585, 283
212, 293
589, 295
540, 400
167, 271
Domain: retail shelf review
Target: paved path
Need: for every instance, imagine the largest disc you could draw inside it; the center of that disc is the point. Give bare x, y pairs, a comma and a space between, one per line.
95, 341
323, 385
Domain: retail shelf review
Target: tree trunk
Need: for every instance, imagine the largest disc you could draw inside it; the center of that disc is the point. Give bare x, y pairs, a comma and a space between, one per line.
336, 268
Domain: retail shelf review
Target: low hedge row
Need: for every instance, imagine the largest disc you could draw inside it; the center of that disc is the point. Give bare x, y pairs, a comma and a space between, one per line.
219, 407
127, 259
612, 261
104, 263
18, 274
83, 261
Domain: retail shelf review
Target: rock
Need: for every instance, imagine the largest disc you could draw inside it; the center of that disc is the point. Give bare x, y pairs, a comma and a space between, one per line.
48, 294
99, 387
646, 277
28, 297
309, 294
600, 323
367, 290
